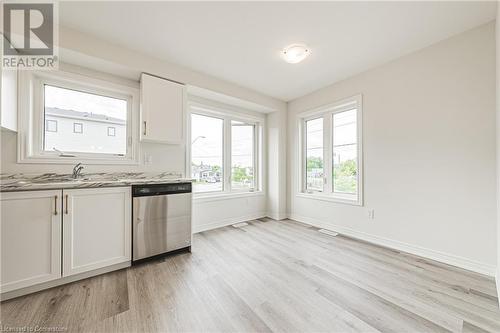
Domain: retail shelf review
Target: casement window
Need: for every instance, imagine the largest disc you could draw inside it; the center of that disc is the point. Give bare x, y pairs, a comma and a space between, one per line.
242, 155
51, 125
207, 147
225, 151
78, 128
70, 117
331, 152
111, 131
314, 172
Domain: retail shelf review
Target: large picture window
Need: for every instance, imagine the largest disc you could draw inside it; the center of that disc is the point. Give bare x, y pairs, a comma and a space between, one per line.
84, 109
332, 152
224, 152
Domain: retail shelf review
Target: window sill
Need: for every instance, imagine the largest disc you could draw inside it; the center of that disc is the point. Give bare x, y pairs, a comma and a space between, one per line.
330, 198
73, 160
205, 197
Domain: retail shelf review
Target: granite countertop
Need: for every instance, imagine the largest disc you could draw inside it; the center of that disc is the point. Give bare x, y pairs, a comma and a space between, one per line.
51, 181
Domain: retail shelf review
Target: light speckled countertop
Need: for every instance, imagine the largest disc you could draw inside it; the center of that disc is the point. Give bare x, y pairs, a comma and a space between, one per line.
51, 181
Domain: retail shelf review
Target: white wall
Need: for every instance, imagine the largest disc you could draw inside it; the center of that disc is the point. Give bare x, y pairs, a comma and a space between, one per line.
90, 52
497, 25
277, 166
429, 153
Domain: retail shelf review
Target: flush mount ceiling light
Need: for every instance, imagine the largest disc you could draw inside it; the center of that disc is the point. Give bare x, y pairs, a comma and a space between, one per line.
295, 53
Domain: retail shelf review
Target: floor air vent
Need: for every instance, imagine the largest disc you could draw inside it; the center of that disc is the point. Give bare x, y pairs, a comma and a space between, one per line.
240, 225
328, 232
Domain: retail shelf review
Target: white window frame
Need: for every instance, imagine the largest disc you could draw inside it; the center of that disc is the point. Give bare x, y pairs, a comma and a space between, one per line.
327, 113
228, 115
256, 158
31, 117
304, 152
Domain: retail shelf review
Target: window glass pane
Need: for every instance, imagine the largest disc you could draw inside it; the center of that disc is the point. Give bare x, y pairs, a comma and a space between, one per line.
314, 154
344, 127
76, 110
206, 153
242, 155
77, 128
111, 131
345, 153
51, 125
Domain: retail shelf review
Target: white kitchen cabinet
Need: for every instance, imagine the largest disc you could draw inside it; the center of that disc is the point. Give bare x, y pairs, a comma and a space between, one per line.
31, 238
8, 116
162, 110
96, 228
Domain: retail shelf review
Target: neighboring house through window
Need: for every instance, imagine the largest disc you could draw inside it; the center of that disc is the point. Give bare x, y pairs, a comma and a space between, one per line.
95, 112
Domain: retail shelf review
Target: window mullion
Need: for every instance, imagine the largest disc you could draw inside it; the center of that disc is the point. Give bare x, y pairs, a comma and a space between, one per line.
227, 144
38, 116
303, 155
255, 161
327, 152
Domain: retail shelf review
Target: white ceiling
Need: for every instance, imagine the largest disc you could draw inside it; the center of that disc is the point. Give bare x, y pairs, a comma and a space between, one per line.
241, 41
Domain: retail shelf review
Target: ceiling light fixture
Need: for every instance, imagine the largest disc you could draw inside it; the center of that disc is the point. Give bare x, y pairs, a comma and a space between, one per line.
295, 53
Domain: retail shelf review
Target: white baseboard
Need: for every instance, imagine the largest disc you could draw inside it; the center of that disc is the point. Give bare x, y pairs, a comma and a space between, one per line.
229, 221
277, 216
450, 259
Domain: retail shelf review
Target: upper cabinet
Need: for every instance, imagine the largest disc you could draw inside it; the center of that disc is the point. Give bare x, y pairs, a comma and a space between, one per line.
162, 110
9, 99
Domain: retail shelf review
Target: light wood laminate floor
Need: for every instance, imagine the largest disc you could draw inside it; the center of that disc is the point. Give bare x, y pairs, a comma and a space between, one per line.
270, 276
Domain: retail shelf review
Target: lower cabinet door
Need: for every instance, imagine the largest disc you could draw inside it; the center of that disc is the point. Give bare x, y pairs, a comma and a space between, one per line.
96, 228
31, 238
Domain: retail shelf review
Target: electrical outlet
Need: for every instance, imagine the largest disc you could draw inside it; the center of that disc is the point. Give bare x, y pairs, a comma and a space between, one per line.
371, 214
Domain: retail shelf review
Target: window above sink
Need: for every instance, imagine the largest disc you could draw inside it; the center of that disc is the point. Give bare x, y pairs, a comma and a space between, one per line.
72, 117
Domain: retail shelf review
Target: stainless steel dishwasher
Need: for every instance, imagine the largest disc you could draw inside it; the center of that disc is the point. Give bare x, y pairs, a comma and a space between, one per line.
161, 219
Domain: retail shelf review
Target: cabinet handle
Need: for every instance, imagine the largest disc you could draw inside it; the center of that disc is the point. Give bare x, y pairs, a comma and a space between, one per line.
66, 204
55, 206
144, 128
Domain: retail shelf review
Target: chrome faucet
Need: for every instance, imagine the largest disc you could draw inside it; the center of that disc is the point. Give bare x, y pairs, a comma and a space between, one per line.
77, 170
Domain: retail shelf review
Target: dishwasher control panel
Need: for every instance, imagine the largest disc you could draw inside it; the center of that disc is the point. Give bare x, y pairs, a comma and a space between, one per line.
161, 189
